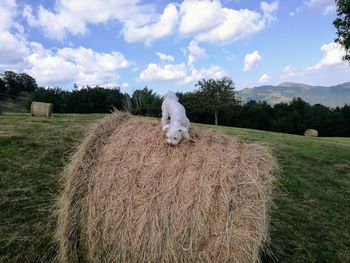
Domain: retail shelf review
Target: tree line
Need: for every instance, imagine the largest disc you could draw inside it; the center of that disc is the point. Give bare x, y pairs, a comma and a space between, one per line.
213, 102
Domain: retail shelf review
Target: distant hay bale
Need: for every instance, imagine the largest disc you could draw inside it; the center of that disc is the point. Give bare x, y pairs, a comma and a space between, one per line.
41, 109
311, 133
130, 197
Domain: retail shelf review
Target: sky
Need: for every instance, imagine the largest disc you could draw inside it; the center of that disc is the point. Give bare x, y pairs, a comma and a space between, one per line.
170, 45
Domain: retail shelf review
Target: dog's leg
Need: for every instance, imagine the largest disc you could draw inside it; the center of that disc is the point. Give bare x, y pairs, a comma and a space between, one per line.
165, 116
185, 133
187, 124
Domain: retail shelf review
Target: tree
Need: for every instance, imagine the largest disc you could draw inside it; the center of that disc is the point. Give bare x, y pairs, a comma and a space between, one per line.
27, 82
256, 115
342, 24
217, 95
2, 88
12, 82
143, 102
192, 101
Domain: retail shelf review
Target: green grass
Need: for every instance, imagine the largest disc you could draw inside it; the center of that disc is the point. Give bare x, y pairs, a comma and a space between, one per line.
310, 218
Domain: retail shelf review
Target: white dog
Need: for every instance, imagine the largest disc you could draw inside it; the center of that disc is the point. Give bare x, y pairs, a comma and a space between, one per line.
179, 124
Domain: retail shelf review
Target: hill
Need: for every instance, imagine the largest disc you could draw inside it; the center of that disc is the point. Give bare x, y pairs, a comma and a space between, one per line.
329, 96
309, 219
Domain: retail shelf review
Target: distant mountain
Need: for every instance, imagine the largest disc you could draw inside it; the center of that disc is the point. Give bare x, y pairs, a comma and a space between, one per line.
329, 96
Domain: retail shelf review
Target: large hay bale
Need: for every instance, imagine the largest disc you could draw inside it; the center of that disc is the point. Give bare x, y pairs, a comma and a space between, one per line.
130, 197
41, 109
311, 133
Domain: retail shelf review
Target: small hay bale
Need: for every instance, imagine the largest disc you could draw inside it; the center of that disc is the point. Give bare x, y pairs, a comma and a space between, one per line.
130, 197
311, 133
41, 109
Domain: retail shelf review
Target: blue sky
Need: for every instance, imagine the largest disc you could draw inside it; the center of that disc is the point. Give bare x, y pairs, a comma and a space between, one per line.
170, 45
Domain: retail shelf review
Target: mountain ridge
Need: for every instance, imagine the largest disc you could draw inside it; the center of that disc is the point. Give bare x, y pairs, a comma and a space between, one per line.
331, 96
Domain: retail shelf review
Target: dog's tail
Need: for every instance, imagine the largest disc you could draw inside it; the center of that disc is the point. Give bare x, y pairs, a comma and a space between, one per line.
171, 95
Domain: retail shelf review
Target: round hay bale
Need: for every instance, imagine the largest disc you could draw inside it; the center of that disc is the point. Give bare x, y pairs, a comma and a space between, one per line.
130, 197
311, 133
41, 109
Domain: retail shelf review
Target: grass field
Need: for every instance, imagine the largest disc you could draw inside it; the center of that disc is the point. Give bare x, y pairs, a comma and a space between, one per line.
310, 218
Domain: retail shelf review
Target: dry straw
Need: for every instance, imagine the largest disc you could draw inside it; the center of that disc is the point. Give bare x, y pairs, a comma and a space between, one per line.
311, 133
129, 197
41, 109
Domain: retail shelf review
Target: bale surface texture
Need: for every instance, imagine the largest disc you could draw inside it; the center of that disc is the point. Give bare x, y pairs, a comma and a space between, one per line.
41, 109
130, 197
311, 133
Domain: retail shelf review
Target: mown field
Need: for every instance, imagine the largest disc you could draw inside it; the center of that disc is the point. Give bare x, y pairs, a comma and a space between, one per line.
310, 217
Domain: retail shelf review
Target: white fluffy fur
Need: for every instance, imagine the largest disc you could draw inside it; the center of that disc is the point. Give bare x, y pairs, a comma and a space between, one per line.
179, 124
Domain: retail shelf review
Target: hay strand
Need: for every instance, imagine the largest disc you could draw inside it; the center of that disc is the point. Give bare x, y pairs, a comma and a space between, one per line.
130, 197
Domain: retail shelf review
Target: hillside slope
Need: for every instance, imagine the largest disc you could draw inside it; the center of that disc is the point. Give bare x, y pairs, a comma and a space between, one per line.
329, 96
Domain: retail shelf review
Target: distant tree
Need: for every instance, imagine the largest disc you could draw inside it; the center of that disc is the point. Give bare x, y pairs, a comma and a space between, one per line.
216, 95
27, 82
12, 82
192, 102
94, 100
2, 88
56, 96
280, 117
322, 119
256, 115
342, 24
143, 102
345, 112
85, 100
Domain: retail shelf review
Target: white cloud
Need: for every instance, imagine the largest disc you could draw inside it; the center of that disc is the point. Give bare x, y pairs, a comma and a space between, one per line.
264, 78
269, 10
157, 73
73, 17
125, 85
200, 16
182, 73
251, 60
195, 53
164, 26
287, 68
333, 54
205, 20
164, 57
330, 9
238, 24
48, 69
12, 51
325, 6
7, 10
53, 67
94, 61
81, 66
13, 45
329, 70
213, 71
